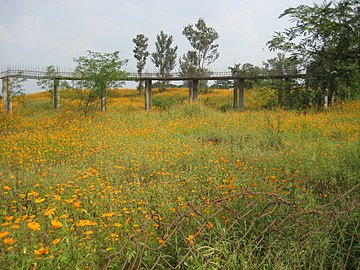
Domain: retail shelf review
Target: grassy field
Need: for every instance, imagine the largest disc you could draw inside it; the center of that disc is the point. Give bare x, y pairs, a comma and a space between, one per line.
185, 186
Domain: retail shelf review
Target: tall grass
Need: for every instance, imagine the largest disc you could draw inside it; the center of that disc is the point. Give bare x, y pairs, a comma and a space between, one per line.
185, 186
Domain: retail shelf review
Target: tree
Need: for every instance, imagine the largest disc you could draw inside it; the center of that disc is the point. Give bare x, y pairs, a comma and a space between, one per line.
281, 65
202, 40
164, 57
246, 69
99, 72
140, 54
325, 40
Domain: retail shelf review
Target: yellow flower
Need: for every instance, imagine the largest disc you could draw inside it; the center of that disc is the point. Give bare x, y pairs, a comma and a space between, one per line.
42, 250
85, 222
117, 224
9, 241
56, 224
39, 200
7, 188
64, 216
191, 239
34, 226
89, 232
49, 211
55, 241
3, 234
108, 214
8, 218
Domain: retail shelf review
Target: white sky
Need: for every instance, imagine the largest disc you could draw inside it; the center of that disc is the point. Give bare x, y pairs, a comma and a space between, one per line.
40, 33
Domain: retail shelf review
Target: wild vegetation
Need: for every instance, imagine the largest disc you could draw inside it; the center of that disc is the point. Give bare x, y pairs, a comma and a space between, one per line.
189, 186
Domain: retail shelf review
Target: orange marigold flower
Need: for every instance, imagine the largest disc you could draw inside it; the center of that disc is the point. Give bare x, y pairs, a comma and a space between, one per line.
3, 234
85, 222
42, 250
49, 211
108, 214
7, 188
55, 241
56, 224
34, 226
39, 200
9, 241
89, 232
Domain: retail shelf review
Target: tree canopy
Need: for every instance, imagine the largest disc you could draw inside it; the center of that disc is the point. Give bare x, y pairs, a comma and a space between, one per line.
100, 72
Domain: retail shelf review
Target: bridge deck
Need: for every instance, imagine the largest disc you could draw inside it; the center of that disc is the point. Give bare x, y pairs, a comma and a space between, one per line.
69, 75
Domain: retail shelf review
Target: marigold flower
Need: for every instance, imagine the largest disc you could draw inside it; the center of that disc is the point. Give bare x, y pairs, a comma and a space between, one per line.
39, 200
85, 222
9, 241
34, 226
89, 232
42, 250
55, 241
56, 224
3, 234
49, 211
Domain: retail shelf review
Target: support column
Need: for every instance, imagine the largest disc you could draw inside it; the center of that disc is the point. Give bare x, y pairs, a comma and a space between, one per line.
195, 89
242, 94
148, 95
191, 91
235, 96
6, 95
56, 95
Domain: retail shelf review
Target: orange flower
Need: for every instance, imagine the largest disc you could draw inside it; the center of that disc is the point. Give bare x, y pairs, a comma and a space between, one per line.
85, 222
42, 250
9, 241
55, 241
3, 234
34, 226
49, 211
56, 224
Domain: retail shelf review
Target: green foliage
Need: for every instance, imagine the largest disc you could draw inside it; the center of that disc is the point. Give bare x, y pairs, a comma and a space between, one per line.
165, 103
325, 41
140, 54
99, 73
164, 57
202, 38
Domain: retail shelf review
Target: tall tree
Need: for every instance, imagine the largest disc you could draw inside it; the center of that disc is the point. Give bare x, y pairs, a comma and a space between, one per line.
99, 73
205, 51
164, 57
281, 65
140, 54
325, 40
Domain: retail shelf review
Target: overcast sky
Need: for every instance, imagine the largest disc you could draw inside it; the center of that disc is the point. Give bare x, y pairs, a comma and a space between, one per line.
40, 33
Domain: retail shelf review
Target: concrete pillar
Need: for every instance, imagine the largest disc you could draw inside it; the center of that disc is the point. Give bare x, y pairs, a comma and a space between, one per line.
235, 92
56, 95
195, 89
6, 95
191, 91
148, 95
242, 94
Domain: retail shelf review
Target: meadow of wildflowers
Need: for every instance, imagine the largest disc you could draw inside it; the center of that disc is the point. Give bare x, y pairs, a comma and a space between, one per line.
189, 187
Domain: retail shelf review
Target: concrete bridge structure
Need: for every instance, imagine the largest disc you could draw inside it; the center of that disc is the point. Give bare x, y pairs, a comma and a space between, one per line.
148, 78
